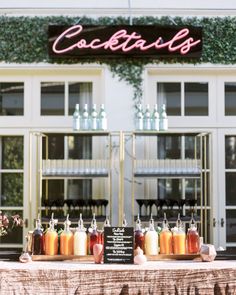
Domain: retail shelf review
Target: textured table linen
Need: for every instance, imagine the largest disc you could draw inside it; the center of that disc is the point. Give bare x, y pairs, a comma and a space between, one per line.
159, 277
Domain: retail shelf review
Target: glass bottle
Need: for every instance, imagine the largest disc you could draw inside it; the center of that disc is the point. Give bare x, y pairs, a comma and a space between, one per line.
138, 235
165, 238
105, 224
94, 118
80, 239
66, 239
193, 239
76, 118
139, 118
163, 119
102, 118
38, 239
51, 238
179, 238
155, 119
151, 239
94, 236
85, 118
147, 118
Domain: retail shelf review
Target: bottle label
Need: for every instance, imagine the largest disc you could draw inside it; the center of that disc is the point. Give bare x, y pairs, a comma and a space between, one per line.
103, 124
76, 124
155, 124
139, 124
164, 124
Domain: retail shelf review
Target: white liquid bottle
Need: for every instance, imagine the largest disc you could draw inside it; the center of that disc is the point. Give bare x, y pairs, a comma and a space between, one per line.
94, 118
151, 239
85, 118
102, 118
163, 119
139, 118
76, 118
147, 118
155, 119
80, 239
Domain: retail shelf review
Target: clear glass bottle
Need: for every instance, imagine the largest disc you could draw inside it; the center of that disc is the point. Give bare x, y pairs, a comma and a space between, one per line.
151, 239
147, 118
165, 238
155, 119
66, 239
85, 118
38, 238
179, 238
102, 118
193, 239
94, 236
94, 118
163, 119
76, 118
80, 239
138, 235
51, 238
139, 118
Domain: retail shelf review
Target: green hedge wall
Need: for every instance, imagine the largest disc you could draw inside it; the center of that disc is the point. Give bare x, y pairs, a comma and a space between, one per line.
24, 40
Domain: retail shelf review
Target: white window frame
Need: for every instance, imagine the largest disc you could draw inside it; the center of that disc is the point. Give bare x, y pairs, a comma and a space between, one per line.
153, 76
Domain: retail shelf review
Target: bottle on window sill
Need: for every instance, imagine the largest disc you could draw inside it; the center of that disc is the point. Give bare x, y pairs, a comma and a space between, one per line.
85, 118
76, 118
155, 119
94, 118
147, 118
139, 118
102, 118
163, 119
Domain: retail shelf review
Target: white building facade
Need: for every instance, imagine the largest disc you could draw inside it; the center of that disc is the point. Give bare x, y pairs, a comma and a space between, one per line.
204, 101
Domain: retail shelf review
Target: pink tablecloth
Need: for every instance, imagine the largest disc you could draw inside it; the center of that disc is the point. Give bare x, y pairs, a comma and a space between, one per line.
160, 277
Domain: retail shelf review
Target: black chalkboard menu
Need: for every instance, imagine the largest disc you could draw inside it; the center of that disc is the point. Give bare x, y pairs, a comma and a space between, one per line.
119, 245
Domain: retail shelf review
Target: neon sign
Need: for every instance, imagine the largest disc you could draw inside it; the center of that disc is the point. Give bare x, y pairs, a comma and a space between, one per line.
139, 41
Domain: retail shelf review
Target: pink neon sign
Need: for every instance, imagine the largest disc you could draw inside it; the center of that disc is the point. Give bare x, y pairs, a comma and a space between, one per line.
75, 39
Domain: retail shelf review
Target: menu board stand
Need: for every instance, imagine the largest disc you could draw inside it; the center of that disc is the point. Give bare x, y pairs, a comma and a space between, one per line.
119, 245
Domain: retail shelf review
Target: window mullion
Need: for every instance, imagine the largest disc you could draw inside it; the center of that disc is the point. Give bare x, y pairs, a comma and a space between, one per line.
182, 99
66, 102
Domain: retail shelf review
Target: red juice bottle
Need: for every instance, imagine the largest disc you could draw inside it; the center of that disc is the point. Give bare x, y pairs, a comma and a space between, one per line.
138, 235
38, 239
193, 239
106, 224
94, 236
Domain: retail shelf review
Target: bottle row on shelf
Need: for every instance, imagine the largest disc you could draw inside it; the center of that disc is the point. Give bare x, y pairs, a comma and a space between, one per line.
145, 120
167, 167
89, 121
52, 167
80, 241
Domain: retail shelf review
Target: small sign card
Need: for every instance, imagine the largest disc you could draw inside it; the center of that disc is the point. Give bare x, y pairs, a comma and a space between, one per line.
119, 245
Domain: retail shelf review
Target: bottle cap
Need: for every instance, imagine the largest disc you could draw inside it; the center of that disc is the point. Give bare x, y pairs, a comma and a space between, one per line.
124, 222
94, 222
151, 223
67, 223
138, 224
81, 223
165, 225
52, 222
107, 222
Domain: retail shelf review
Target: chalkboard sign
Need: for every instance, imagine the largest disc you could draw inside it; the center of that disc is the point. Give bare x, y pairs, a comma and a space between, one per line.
119, 245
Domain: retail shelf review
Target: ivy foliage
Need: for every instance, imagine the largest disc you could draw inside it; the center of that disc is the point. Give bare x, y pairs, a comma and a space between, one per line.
24, 40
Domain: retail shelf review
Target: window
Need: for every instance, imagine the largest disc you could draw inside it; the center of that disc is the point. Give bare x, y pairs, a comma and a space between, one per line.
59, 98
11, 99
186, 98
11, 183
230, 99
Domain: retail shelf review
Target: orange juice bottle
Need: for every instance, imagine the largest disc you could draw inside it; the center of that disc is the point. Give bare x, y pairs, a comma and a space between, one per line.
51, 238
165, 238
66, 239
179, 238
